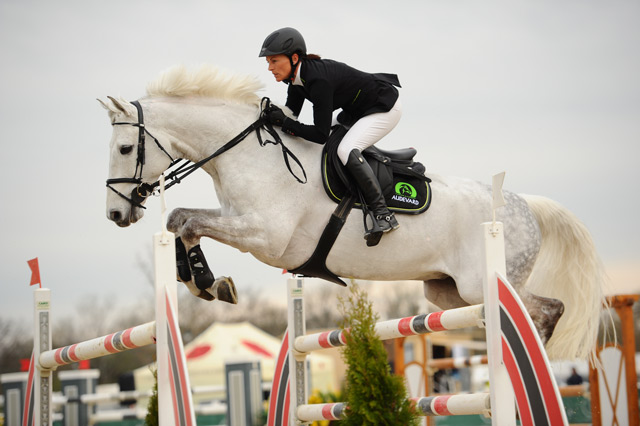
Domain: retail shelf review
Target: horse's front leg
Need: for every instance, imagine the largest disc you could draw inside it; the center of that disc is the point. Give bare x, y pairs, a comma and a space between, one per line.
266, 239
191, 265
248, 233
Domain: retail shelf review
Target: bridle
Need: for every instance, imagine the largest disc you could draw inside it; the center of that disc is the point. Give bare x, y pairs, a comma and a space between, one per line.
144, 189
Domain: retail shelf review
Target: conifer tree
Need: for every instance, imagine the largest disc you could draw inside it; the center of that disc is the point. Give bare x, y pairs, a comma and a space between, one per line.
152, 407
373, 395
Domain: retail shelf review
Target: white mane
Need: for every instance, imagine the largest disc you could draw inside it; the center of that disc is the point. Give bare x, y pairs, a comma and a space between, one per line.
206, 81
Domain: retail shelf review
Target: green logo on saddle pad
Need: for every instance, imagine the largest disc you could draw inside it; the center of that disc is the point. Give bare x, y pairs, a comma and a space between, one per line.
406, 190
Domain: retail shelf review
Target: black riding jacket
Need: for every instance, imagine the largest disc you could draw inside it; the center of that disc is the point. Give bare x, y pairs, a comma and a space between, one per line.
330, 85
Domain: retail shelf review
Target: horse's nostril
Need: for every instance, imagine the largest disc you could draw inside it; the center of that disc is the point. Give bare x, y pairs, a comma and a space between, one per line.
115, 215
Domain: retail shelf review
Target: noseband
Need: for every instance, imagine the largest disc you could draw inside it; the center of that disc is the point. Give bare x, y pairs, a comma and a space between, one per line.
144, 189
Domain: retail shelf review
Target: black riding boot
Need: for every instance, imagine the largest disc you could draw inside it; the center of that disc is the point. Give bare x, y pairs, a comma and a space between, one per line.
384, 221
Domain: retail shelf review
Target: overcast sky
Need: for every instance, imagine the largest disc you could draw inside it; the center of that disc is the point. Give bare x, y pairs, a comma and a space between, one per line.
546, 90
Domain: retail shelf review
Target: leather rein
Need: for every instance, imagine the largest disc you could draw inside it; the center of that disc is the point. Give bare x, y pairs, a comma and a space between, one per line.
143, 189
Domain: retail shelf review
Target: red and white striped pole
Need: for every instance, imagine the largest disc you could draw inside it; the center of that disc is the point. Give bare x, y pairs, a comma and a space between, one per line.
452, 319
444, 405
131, 338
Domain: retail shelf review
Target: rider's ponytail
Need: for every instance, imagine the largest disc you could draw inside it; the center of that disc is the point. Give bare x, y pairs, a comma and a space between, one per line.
310, 56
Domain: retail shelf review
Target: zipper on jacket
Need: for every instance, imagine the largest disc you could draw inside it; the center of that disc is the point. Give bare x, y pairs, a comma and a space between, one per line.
357, 94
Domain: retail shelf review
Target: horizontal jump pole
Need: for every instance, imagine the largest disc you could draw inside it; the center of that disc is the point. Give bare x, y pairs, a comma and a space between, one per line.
101, 398
452, 319
444, 405
454, 405
568, 391
574, 390
119, 415
131, 338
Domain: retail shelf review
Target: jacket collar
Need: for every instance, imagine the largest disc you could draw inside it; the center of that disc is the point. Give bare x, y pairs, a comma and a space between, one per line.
298, 79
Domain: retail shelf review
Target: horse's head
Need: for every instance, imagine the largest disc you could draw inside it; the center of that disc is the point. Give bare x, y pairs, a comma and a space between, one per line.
134, 166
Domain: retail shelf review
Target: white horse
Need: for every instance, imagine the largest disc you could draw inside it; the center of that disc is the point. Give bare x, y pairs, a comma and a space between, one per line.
266, 212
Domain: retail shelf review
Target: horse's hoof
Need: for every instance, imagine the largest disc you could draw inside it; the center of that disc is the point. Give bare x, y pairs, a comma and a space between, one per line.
182, 262
206, 296
225, 290
552, 310
202, 275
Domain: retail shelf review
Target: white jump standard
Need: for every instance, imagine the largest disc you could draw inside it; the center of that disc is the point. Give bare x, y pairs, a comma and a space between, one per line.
175, 406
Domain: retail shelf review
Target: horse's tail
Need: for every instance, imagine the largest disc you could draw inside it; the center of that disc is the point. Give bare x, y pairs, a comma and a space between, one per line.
568, 268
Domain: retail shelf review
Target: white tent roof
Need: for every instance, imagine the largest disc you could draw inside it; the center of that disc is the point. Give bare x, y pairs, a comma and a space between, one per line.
220, 343
232, 342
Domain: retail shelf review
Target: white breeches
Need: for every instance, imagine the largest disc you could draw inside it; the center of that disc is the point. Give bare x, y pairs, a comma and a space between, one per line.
369, 130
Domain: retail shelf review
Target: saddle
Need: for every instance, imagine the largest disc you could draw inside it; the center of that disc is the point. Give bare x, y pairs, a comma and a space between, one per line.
404, 185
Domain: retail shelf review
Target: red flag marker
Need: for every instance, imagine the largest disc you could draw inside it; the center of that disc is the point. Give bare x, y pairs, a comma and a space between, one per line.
24, 364
35, 272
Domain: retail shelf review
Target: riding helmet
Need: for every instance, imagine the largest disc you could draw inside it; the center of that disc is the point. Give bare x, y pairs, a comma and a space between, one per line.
286, 41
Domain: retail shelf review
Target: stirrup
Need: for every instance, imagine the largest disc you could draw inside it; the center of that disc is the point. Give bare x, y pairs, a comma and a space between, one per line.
202, 275
381, 224
373, 238
372, 233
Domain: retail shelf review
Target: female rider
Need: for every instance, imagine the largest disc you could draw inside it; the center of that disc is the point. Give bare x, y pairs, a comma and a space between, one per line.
368, 101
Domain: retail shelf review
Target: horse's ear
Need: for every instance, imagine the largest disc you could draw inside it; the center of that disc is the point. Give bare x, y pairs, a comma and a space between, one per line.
103, 103
117, 104
121, 105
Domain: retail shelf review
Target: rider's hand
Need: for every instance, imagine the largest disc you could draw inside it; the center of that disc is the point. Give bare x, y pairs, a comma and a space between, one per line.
275, 115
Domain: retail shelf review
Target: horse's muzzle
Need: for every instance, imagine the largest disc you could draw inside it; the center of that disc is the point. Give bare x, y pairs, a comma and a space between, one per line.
119, 218
124, 217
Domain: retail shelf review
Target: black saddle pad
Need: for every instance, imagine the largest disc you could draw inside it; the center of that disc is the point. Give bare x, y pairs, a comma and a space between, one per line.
404, 186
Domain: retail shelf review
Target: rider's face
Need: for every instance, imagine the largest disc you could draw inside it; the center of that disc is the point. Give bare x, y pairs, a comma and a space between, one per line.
280, 66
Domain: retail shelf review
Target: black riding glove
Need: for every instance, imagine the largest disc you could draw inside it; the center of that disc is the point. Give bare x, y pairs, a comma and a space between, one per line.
275, 115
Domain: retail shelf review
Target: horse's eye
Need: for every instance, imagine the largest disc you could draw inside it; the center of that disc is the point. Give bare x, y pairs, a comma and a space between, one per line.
126, 149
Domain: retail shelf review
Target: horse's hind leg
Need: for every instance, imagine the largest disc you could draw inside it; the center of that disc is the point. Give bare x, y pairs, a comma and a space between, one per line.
545, 313
443, 293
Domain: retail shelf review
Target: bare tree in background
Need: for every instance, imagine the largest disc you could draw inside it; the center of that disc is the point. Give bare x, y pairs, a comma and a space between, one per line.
321, 305
16, 343
403, 302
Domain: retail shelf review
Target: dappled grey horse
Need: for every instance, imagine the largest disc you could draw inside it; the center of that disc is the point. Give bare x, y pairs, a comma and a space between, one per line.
551, 259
